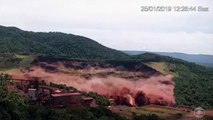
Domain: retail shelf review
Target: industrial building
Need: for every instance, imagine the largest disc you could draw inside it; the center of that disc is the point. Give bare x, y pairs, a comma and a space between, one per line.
66, 99
51, 96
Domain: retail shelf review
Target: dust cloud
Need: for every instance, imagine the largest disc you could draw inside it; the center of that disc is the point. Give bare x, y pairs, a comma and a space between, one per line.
153, 90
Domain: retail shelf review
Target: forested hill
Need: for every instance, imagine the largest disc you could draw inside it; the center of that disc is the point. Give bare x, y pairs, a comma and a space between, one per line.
15, 40
193, 83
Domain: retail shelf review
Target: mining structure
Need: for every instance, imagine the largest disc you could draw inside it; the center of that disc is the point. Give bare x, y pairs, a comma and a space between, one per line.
41, 93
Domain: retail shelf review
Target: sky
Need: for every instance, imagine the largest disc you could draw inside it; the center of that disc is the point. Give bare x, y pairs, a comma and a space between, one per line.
118, 24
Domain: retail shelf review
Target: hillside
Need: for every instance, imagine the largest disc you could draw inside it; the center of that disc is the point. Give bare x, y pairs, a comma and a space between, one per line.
206, 60
193, 83
189, 78
15, 40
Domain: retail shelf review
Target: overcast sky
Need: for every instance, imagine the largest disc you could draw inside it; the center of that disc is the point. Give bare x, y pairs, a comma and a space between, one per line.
118, 24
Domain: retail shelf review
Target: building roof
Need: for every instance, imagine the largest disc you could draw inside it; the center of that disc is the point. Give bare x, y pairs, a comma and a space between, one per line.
57, 91
48, 87
66, 94
87, 98
31, 89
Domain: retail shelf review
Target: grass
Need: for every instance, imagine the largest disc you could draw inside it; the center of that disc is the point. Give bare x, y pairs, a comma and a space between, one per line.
26, 60
8, 61
161, 67
7, 68
161, 111
12, 61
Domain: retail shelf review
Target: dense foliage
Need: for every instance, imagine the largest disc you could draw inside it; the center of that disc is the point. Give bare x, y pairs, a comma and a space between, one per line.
8, 61
99, 113
12, 105
101, 100
14, 40
193, 83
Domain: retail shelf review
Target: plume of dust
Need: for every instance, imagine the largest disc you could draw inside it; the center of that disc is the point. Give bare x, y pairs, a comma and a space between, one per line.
154, 90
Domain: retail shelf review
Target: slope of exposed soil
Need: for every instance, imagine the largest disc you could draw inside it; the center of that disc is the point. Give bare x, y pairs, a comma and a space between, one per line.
114, 81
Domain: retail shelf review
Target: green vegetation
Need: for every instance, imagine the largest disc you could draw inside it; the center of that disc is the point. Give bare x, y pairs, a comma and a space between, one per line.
159, 112
101, 100
146, 117
99, 113
150, 112
26, 60
14, 40
12, 105
193, 83
8, 61
162, 67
